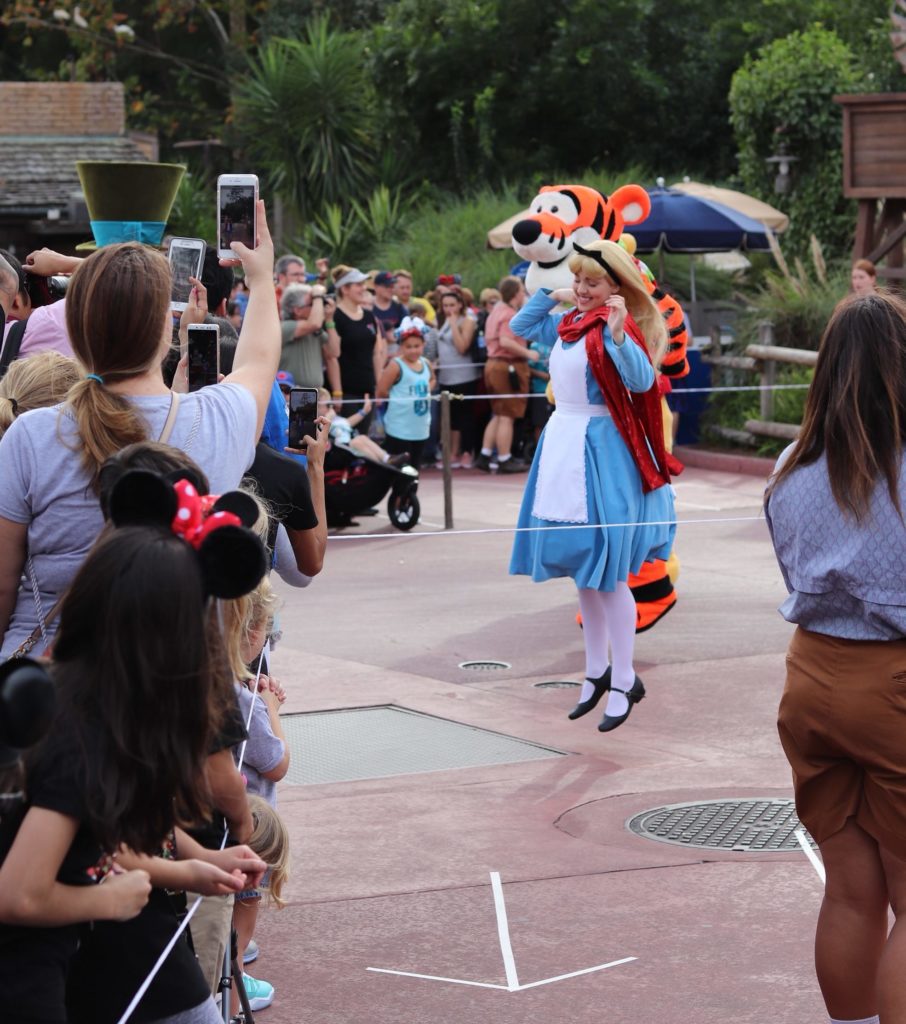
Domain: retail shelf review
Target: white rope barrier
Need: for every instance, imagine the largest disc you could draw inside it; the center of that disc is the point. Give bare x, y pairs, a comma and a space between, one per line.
396, 535
456, 397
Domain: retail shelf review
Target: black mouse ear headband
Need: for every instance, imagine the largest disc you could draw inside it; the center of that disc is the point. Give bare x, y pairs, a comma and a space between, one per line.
596, 255
232, 559
27, 702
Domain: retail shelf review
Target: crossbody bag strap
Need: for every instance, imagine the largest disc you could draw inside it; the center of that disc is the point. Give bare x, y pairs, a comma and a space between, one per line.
170, 421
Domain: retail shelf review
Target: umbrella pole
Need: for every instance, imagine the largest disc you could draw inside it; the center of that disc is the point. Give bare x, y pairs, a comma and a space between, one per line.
692, 278
660, 264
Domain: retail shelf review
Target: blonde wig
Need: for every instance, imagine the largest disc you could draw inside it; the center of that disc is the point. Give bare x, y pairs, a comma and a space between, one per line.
628, 278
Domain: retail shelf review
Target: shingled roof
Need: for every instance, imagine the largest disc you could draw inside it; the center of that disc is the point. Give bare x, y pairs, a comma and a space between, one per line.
39, 173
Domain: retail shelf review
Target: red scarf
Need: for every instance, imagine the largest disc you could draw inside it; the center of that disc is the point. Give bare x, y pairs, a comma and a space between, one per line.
638, 417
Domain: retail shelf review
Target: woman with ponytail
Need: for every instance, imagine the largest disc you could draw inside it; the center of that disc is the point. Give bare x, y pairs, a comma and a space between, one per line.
597, 502
119, 321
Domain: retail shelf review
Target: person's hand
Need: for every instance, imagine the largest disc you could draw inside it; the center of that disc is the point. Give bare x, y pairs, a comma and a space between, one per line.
329, 307
322, 266
197, 306
181, 376
318, 291
211, 880
272, 699
564, 295
242, 859
258, 263
366, 406
272, 685
617, 306
128, 892
46, 262
315, 447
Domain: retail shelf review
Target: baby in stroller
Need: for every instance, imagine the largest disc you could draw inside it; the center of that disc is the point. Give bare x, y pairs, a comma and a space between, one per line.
343, 431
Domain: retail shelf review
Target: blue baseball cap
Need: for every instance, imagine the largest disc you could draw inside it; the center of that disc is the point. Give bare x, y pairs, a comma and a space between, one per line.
285, 379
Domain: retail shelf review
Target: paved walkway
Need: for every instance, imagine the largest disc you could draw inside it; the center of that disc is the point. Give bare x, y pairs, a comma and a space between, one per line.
394, 872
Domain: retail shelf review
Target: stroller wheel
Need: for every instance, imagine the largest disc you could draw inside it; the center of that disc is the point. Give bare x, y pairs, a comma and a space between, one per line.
403, 510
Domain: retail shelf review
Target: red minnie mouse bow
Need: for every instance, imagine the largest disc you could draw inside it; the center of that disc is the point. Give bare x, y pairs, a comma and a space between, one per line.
193, 520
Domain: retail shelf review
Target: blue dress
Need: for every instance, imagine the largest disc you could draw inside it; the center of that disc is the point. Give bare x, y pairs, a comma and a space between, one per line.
583, 475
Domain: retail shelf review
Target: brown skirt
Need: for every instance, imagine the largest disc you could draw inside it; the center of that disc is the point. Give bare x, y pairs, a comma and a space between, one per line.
497, 382
842, 724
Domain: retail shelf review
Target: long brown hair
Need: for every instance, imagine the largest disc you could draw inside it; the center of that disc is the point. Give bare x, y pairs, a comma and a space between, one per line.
117, 306
134, 682
855, 413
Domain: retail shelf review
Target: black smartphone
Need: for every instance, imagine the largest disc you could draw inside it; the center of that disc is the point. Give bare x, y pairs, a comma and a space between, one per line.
303, 412
204, 355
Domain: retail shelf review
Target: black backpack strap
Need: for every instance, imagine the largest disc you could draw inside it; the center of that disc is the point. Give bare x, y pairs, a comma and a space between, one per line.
12, 345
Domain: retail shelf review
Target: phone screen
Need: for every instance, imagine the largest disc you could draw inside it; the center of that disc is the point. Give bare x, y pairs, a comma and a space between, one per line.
303, 411
204, 362
184, 262
237, 215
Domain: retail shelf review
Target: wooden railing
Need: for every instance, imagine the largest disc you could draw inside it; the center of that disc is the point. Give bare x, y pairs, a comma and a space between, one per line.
763, 358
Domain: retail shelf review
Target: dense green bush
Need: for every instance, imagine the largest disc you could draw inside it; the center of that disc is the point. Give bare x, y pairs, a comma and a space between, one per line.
784, 96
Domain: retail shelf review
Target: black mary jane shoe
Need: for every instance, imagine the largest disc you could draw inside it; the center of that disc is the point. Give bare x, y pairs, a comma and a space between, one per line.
633, 695
601, 685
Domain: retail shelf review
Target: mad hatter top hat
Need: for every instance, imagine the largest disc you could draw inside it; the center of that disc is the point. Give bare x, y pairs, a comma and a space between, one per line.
128, 200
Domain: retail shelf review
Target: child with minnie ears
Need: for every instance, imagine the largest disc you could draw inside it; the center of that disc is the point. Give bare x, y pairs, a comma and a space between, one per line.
123, 765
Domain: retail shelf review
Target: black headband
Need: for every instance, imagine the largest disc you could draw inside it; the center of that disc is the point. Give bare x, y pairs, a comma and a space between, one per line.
594, 254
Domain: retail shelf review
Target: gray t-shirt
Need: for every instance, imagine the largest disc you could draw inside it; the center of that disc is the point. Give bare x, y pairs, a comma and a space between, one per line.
302, 357
264, 749
453, 366
42, 482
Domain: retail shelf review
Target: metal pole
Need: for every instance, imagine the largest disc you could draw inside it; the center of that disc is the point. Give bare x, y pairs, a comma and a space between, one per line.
446, 446
768, 371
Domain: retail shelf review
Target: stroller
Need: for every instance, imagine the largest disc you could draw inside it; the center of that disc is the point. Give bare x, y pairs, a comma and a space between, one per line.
354, 484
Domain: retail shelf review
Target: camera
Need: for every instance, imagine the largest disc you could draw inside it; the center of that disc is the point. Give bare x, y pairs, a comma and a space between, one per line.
44, 290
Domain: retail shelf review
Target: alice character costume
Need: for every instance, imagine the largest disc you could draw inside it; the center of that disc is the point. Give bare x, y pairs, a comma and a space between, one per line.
596, 465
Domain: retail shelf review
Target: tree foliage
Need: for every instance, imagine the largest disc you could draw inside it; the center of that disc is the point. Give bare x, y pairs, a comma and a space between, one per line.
303, 115
784, 96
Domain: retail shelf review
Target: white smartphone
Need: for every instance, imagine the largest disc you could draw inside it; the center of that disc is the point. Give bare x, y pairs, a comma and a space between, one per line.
186, 256
237, 195
204, 355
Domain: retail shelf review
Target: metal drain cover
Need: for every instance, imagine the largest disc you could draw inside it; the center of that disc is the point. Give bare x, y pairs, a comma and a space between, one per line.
759, 825
484, 666
372, 743
557, 684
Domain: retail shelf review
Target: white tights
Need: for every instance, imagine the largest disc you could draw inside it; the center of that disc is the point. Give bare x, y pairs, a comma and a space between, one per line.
609, 617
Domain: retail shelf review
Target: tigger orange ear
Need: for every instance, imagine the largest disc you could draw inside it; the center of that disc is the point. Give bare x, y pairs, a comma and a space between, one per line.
632, 203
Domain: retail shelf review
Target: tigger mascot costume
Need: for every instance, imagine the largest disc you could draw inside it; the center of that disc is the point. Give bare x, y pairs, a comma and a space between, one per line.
560, 215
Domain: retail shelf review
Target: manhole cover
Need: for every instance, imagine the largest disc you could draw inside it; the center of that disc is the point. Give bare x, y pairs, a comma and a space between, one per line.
557, 684
484, 666
372, 743
759, 825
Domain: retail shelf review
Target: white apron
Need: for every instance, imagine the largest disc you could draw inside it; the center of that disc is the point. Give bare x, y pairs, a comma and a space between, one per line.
560, 487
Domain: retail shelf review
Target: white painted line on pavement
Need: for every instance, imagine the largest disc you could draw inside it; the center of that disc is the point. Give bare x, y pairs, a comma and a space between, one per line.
503, 931
575, 974
434, 977
810, 853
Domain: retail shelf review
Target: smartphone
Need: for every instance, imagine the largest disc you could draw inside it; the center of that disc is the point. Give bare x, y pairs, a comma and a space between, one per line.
204, 355
236, 198
303, 412
186, 256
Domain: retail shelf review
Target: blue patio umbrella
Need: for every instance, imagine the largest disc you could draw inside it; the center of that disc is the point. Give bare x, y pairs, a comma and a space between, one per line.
684, 223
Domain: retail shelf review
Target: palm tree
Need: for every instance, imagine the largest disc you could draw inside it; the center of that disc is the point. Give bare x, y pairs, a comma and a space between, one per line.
303, 115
